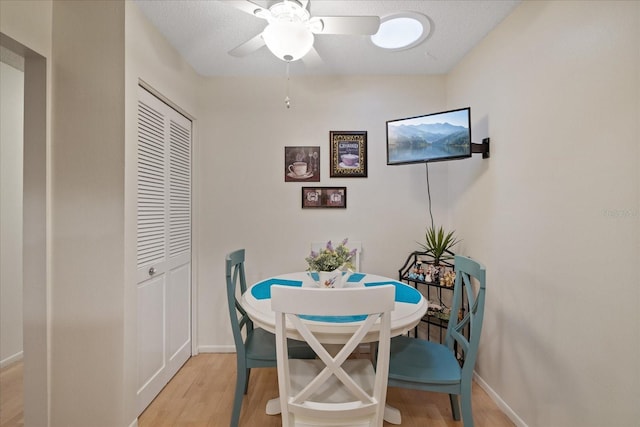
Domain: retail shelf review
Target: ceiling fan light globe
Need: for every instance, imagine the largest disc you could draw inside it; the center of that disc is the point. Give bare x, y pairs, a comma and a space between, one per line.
288, 41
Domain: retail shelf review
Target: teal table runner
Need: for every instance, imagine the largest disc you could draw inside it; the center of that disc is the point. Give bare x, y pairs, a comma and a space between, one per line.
404, 293
262, 290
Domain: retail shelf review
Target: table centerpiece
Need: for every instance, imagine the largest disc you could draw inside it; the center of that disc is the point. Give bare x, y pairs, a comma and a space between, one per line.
328, 265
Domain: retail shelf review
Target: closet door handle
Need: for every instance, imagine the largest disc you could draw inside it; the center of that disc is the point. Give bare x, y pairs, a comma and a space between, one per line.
152, 271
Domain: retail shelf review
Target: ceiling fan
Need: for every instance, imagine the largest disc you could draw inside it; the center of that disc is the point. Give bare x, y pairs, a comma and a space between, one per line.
289, 34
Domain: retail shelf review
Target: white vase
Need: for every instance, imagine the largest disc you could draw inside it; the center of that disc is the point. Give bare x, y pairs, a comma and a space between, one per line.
330, 279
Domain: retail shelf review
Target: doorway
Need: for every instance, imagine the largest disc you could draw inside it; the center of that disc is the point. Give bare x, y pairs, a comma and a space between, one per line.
34, 352
11, 163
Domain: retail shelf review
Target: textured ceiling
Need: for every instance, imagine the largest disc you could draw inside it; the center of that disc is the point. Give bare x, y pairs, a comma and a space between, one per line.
204, 31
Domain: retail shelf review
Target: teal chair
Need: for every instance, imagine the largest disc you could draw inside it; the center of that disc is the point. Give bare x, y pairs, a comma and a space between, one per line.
257, 349
424, 365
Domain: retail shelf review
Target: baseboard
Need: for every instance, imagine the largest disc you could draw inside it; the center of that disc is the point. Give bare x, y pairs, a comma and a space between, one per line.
499, 402
11, 359
216, 349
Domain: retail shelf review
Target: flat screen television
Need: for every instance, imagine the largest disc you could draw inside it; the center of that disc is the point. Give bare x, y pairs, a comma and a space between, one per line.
429, 138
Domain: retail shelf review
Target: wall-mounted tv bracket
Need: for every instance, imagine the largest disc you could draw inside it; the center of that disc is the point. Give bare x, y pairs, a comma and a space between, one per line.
481, 148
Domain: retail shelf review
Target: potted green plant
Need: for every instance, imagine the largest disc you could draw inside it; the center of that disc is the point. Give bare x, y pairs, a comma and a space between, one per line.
438, 244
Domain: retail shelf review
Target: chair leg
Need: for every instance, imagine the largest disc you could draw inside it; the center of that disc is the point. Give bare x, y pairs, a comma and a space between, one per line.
241, 389
467, 414
287, 420
455, 408
246, 381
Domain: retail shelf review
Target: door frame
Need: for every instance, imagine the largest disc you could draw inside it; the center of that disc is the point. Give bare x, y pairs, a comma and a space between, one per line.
36, 236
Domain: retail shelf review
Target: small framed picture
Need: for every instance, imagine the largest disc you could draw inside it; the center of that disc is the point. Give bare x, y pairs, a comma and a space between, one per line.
348, 154
324, 197
302, 164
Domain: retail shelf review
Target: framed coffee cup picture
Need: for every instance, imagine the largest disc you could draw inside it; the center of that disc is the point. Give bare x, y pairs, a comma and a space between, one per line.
348, 154
324, 197
302, 164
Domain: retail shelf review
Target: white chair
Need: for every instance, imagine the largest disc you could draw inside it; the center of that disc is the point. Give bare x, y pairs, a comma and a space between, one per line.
332, 389
351, 244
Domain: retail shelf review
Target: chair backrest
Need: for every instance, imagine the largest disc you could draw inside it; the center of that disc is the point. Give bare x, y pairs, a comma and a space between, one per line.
351, 244
234, 266
466, 269
373, 307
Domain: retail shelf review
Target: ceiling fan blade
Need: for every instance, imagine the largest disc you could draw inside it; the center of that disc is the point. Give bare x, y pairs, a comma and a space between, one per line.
248, 47
358, 25
244, 5
312, 59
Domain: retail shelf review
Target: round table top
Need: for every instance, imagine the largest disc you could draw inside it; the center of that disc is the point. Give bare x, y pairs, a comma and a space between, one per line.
410, 307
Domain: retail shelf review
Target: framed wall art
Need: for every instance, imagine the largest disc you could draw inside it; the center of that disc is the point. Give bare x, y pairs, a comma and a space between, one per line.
302, 164
324, 197
348, 154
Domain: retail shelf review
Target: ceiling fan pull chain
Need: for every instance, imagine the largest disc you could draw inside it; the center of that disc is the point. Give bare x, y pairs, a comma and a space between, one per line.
287, 101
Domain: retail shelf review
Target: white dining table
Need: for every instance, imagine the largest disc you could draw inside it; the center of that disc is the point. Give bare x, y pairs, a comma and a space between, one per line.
410, 307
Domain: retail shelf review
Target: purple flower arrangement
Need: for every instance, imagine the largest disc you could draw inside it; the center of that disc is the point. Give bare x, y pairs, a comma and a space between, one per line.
331, 258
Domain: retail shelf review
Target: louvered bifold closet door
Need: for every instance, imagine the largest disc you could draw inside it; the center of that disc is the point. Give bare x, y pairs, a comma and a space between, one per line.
164, 244
180, 190
151, 186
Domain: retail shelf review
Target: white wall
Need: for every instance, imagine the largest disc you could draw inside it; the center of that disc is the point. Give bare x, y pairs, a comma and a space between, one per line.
11, 147
554, 213
245, 203
87, 298
28, 22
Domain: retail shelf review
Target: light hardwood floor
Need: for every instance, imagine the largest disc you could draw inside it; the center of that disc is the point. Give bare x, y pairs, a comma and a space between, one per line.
201, 395
11, 390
